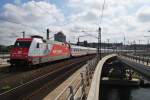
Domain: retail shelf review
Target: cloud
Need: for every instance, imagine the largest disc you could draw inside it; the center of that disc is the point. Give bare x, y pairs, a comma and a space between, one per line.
128, 18
30, 17
32, 12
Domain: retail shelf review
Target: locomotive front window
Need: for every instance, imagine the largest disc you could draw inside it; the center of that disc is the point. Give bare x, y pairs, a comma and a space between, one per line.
22, 44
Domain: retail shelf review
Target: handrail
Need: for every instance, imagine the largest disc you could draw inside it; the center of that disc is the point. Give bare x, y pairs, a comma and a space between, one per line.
95, 86
65, 88
138, 59
80, 86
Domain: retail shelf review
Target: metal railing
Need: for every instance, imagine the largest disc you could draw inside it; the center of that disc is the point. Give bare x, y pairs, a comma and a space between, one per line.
77, 88
139, 59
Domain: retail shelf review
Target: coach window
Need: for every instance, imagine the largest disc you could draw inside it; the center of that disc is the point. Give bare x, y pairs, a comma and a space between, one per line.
38, 45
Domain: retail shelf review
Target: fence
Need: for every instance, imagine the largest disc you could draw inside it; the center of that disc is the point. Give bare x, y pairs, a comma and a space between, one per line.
4, 56
139, 59
78, 88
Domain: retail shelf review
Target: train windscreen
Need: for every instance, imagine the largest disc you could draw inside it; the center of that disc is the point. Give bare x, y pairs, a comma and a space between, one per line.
22, 44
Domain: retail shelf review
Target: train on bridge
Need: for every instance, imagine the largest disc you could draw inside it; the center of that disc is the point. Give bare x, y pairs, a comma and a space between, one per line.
35, 50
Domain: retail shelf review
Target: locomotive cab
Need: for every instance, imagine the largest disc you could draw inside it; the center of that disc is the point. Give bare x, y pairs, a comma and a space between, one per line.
29, 51
19, 53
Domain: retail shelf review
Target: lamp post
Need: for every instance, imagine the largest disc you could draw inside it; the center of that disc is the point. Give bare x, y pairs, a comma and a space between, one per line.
147, 42
116, 46
99, 44
134, 47
108, 45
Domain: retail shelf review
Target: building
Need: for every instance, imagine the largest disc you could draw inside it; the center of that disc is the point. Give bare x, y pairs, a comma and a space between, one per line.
60, 37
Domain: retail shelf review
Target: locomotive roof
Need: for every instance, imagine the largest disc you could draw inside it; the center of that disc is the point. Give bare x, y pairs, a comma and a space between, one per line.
24, 39
36, 36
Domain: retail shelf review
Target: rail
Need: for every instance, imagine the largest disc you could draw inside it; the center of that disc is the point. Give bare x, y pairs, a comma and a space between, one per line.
138, 59
95, 85
77, 88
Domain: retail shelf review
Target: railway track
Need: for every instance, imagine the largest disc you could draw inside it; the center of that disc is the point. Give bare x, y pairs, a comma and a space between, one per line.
44, 80
9, 71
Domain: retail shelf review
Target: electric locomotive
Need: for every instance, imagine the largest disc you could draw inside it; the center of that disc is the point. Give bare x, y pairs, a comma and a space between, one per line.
36, 50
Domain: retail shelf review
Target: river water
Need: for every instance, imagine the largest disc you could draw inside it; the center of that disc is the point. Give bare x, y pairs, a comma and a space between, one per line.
124, 93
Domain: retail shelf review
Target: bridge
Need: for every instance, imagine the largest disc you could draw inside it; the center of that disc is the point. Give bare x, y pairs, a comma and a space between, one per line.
112, 77
119, 71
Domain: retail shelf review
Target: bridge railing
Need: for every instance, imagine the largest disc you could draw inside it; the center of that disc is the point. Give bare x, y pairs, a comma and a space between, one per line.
139, 59
77, 88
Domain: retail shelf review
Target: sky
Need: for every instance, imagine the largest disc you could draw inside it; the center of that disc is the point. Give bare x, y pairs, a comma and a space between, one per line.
129, 19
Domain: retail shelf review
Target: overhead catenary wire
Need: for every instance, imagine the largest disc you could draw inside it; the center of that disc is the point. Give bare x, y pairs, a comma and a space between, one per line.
87, 34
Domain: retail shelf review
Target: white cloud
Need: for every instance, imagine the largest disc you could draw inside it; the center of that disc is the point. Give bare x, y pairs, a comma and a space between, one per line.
33, 12
31, 17
130, 18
